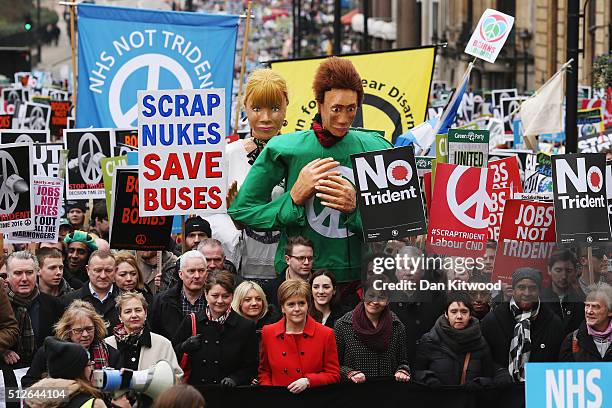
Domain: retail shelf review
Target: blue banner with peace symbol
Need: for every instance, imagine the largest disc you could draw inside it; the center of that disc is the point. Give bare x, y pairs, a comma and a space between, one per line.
124, 50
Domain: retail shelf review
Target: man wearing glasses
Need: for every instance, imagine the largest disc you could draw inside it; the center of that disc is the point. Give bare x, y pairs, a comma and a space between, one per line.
299, 255
100, 290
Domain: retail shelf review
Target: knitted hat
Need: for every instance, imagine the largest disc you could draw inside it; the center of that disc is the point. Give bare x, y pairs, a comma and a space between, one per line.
78, 204
527, 273
64, 359
197, 224
81, 236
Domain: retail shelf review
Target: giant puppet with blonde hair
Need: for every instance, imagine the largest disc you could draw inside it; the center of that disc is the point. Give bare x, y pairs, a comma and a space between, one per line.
265, 102
319, 202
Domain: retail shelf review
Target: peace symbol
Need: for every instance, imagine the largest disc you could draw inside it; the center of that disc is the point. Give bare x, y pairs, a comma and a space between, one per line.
90, 170
480, 199
317, 222
153, 64
37, 119
8, 198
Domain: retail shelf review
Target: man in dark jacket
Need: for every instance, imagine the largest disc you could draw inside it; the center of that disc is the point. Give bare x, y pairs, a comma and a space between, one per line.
100, 290
171, 306
523, 330
563, 297
36, 312
79, 246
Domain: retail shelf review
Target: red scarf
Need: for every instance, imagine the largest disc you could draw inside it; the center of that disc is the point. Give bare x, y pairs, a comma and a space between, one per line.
323, 135
375, 338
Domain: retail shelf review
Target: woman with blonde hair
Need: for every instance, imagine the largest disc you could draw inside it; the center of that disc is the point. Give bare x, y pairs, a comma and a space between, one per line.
138, 347
128, 276
265, 102
79, 324
250, 302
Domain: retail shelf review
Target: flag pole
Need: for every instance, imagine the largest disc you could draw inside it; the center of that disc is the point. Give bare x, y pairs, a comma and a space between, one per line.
245, 47
73, 55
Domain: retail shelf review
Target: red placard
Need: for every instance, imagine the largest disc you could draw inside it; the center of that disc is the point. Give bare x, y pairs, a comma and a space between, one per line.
460, 210
499, 197
506, 173
526, 239
605, 106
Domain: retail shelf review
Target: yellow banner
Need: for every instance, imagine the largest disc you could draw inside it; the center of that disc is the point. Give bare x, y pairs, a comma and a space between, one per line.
396, 89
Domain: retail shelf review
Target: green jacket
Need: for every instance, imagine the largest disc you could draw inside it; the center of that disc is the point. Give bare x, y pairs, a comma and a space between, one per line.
336, 236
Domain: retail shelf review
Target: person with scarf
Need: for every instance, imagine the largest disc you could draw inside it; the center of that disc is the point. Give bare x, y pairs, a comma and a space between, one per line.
138, 348
36, 312
372, 340
591, 341
223, 350
454, 352
319, 201
523, 329
79, 324
265, 103
297, 352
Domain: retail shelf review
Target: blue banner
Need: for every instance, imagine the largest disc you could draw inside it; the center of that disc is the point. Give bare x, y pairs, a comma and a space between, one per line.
124, 50
561, 385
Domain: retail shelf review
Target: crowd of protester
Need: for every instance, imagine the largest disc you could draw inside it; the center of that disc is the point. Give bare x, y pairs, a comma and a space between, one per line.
299, 331
292, 325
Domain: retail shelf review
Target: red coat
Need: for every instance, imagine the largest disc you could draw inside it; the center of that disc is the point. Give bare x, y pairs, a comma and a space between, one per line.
285, 358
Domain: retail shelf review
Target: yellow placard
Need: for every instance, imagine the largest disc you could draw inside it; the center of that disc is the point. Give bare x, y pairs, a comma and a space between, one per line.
396, 89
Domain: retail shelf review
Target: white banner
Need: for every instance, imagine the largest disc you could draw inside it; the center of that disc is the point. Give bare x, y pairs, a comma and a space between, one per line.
181, 139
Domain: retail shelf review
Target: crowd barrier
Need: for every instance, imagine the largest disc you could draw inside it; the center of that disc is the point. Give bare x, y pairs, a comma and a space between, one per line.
379, 393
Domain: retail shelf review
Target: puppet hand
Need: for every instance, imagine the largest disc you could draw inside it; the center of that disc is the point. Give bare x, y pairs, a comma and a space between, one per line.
316, 170
232, 191
337, 193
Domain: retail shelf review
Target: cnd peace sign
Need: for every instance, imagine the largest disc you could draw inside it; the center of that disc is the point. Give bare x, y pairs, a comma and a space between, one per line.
153, 63
480, 199
8, 198
90, 153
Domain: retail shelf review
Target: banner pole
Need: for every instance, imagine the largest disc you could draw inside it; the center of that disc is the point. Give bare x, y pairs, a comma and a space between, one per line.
589, 259
245, 47
74, 66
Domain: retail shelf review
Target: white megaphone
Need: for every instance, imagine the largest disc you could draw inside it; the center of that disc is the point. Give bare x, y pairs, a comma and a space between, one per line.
151, 382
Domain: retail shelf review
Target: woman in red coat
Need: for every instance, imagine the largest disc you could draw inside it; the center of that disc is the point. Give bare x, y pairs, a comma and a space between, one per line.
297, 352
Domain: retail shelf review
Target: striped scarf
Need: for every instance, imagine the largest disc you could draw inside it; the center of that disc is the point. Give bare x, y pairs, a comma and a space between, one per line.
520, 346
26, 347
99, 355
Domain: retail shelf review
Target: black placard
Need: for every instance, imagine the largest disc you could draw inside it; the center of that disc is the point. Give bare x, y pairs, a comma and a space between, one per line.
128, 230
581, 210
388, 194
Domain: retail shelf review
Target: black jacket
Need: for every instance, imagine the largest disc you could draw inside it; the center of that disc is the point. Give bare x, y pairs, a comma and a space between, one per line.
166, 315
106, 309
50, 310
546, 335
227, 350
435, 358
570, 311
418, 314
353, 354
585, 349
39, 365
271, 289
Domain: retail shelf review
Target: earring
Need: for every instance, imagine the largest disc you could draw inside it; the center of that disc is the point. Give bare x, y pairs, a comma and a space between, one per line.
285, 123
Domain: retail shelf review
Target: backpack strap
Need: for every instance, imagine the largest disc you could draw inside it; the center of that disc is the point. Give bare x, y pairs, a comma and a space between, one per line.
193, 324
466, 362
575, 346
